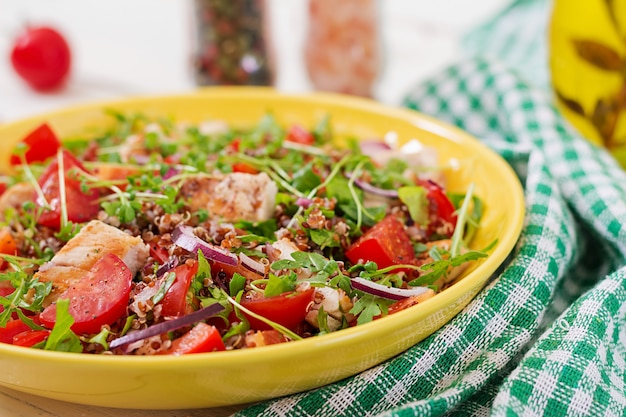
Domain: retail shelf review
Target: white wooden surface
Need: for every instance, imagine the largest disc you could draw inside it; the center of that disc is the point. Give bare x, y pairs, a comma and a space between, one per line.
140, 47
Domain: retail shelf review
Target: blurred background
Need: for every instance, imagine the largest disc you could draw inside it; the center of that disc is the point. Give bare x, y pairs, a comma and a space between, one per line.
127, 48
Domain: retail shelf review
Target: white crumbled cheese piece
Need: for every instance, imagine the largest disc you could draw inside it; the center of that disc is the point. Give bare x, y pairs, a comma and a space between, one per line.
336, 305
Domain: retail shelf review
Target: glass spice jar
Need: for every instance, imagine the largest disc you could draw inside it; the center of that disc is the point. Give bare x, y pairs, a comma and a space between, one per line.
232, 43
342, 46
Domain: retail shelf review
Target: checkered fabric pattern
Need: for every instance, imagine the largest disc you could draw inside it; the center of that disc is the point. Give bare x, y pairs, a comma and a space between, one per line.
547, 337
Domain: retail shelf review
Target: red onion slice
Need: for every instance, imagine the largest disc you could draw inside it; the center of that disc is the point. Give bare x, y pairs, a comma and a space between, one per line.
251, 264
304, 202
167, 266
380, 290
167, 326
184, 237
373, 147
367, 187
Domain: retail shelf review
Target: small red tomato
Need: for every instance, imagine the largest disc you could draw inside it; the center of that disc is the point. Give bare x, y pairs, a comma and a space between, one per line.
100, 297
41, 56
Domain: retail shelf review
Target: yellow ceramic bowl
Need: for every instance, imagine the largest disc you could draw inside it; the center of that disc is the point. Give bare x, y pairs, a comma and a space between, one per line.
237, 377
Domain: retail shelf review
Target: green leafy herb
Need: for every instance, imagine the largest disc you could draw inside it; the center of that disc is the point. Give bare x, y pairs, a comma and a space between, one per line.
414, 197
277, 285
236, 284
62, 338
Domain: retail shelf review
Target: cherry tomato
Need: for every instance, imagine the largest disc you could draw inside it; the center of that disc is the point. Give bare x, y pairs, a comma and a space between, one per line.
229, 270
288, 309
42, 143
98, 298
41, 56
441, 210
158, 252
387, 243
201, 338
4, 291
245, 168
81, 207
13, 327
174, 303
30, 337
298, 134
7, 245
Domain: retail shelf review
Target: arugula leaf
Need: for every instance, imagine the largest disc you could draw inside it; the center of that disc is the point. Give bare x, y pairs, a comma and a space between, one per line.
24, 285
277, 285
265, 228
414, 197
305, 179
369, 306
204, 271
62, 338
236, 284
338, 188
324, 238
439, 268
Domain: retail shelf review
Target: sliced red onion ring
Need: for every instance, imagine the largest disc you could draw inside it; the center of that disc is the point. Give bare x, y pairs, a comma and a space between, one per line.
167, 326
373, 147
171, 172
304, 202
380, 290
367, 187
184, 237
251, 264
167, 266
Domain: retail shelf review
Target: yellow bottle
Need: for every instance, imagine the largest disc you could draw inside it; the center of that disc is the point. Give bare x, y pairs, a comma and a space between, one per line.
588, 68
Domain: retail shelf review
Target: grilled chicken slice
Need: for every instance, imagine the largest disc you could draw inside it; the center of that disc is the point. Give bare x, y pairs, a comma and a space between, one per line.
232, 197
79, 254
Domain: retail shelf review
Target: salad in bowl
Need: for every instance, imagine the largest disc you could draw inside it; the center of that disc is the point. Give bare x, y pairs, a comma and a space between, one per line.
159, 237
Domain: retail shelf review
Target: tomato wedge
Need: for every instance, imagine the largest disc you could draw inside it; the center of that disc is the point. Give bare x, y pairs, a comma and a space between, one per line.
440, 209
298, 134
81, 206
158, 252
7, 245
201, 338
386, 243
13, 328
100, 297
287, 309
30, 338
174, 303
42, 143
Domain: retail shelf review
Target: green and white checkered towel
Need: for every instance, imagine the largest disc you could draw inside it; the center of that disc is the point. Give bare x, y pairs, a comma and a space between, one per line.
548, 336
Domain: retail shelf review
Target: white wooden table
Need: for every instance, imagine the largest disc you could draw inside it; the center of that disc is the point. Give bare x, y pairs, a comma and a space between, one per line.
123, 48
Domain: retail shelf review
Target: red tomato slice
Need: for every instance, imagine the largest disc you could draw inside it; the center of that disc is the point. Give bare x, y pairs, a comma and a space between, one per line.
174, 303
158, 252
13, 327
81, 207
441, 210
387, 243
298, 134
288, 309
229, 270
42, 144
201, 338
245, 168
98, 298
30, 337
